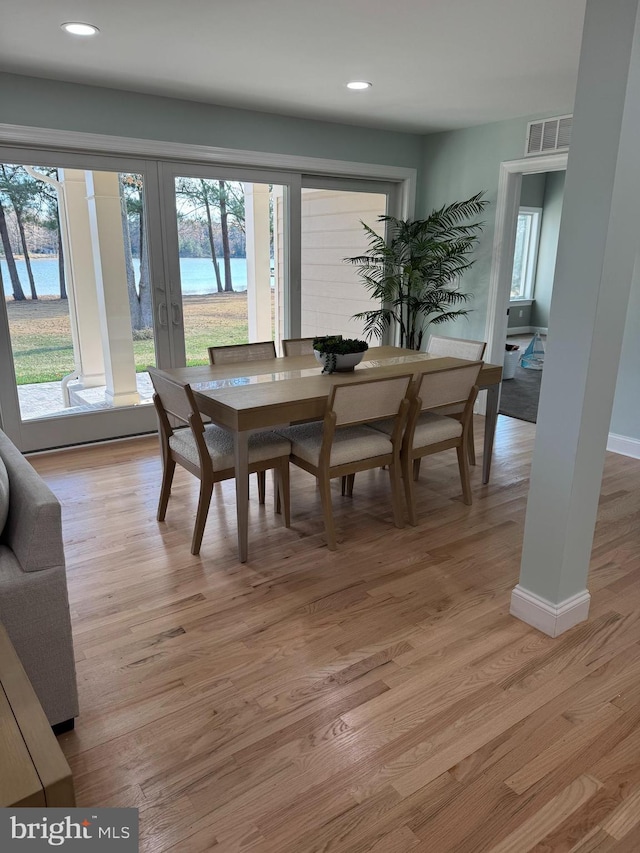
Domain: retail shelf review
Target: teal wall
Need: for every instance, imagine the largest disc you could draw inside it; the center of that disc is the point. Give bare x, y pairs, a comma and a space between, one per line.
68, 106
548, 247
456, 165
532, 192
519, 315
625, 419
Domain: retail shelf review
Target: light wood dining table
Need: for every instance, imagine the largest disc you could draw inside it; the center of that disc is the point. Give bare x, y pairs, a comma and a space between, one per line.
250, 396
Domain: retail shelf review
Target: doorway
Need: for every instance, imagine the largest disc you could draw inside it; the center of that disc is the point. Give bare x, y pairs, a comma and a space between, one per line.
537, 231
513, 232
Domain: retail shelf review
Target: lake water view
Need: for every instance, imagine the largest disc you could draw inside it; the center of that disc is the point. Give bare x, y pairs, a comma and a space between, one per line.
196, 274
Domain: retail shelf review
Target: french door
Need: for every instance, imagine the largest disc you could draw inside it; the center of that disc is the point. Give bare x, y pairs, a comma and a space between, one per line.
230, 255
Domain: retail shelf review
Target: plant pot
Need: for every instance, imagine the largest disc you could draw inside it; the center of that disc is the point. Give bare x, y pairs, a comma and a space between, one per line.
343, 363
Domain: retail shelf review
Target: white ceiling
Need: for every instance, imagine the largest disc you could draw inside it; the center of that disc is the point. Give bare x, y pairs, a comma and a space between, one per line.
435, 64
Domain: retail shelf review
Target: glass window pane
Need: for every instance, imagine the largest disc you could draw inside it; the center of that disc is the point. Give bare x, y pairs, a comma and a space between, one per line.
75, 277
225, 244
520, 257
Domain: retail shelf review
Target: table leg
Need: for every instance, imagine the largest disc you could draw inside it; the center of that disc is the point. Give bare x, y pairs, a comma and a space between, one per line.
241, 445
491, 418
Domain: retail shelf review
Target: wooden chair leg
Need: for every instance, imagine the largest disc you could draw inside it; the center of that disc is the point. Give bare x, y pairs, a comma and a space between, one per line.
165, 490
347, 485
343, 484
277, 497
206, 490
282, 491
471, 445
416, 468
396, 495
463, 465
327, 511
408, 475
262, 483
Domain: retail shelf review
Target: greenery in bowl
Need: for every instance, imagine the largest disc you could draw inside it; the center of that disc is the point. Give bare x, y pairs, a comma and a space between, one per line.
339, 345
330, 347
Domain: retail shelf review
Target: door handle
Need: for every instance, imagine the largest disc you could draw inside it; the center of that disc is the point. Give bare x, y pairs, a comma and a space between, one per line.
162, 313
175, 313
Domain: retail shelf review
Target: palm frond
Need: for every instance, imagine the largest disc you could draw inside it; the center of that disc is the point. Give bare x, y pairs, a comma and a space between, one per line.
415, 271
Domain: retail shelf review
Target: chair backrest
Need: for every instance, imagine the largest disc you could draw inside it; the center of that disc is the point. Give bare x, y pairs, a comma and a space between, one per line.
297, 346
456, 347
173, 398
369, 400
445, 387
242, 352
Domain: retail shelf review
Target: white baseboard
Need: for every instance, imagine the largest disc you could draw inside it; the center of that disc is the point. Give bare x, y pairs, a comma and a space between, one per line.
624, 445
551, 619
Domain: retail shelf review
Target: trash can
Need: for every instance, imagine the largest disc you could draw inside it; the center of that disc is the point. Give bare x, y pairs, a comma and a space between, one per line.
511, 357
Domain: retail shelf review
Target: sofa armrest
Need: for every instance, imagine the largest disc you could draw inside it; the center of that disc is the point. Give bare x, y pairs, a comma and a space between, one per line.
34, 525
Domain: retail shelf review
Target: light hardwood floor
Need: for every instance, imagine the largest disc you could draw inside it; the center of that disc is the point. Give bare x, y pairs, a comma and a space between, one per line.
377, 698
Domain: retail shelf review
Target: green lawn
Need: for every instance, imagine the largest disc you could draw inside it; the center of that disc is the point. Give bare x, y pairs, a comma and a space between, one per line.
43, 350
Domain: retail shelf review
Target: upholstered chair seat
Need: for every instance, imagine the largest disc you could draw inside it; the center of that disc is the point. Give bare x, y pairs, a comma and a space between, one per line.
351, 444
219, 442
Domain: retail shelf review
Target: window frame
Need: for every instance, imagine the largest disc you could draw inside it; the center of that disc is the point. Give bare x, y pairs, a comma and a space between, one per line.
530, 252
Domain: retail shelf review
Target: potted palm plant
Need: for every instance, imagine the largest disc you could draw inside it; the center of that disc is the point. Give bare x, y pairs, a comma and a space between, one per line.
414, 270
336, 353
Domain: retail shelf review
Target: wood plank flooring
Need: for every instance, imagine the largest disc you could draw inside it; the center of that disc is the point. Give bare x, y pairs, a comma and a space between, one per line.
378, 698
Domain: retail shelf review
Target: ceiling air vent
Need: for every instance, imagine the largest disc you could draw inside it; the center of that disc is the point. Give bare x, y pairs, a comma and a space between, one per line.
551, 134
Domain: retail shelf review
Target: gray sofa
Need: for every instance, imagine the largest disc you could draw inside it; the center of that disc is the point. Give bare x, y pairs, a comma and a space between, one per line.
34, 607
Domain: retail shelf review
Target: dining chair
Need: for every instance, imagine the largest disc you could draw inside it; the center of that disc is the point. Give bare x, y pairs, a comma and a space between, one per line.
235, 353
459, 348
343, 443
242, 352
429, 431
208, 452
297, 346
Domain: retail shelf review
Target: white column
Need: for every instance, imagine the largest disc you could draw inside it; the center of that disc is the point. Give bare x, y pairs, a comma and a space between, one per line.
105, 217
594, 268
256, 204
81, 284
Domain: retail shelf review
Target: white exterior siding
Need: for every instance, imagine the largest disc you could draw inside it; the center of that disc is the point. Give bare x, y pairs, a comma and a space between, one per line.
331, 231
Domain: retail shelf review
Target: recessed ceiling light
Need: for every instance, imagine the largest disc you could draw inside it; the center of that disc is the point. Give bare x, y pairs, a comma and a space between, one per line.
359, 84
78, 29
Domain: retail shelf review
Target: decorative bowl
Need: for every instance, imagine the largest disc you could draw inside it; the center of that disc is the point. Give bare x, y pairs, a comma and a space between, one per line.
338, 362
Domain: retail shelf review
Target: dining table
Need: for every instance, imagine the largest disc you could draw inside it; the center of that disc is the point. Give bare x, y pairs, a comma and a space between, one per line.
246, 397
